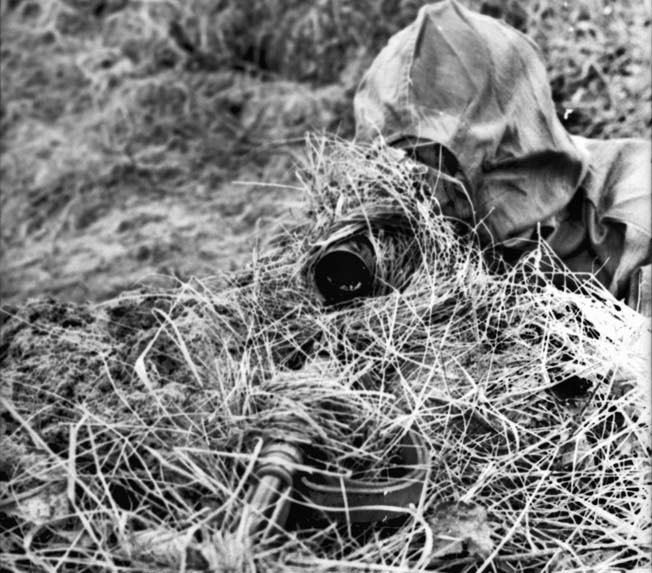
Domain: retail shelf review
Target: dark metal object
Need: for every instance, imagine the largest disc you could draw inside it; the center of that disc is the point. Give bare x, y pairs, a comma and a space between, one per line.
359, 501
269, 500
348, 500
345, 270
640, 290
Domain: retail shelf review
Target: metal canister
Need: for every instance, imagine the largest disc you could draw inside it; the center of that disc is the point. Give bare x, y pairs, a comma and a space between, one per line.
366, 501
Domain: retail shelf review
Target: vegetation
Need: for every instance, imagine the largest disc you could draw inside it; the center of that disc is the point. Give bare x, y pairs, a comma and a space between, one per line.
161, 142
133, 428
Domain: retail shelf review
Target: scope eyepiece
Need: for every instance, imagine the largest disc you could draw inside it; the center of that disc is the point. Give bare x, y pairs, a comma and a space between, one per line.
345, 270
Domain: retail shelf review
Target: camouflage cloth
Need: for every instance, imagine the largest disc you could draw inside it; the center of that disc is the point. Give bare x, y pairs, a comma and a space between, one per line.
472, 92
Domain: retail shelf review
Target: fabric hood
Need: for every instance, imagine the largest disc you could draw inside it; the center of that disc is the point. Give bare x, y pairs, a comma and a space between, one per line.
479, 88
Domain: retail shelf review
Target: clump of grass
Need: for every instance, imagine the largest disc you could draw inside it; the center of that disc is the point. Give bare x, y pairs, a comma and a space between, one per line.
136, 446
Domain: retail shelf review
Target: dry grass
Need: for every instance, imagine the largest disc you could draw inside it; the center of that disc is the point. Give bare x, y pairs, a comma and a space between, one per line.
133, 428
130, 430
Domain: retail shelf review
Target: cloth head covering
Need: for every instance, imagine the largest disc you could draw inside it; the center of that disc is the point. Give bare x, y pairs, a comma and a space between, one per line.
479, 88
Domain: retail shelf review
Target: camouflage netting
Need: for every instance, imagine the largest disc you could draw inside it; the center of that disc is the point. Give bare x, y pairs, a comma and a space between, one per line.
130, 429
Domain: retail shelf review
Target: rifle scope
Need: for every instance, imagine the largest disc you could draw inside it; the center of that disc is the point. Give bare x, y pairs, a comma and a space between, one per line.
345, 270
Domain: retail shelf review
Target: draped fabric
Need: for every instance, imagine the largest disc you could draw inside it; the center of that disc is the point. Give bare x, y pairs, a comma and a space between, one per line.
477, 88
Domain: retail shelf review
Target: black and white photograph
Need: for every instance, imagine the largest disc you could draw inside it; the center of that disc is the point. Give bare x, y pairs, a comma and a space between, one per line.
357, 286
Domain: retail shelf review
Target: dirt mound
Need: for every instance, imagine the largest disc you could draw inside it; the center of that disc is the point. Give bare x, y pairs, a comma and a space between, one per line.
133, 427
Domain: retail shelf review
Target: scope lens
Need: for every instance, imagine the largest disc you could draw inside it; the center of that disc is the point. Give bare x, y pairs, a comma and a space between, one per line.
342, 274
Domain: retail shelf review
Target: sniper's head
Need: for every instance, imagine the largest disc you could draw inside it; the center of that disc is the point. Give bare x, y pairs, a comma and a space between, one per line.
475, 91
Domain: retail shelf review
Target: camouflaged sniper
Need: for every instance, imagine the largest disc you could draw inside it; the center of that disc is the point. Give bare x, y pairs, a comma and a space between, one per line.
478, 87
